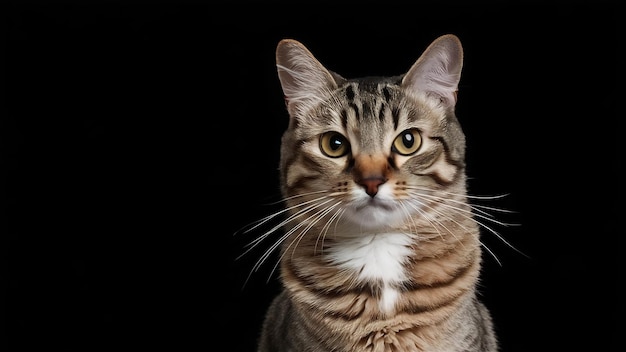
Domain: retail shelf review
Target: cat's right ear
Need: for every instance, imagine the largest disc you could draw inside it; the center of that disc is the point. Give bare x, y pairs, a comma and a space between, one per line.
304, 80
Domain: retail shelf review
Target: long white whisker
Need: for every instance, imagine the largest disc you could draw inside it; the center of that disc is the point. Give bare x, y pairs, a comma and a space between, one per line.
430, 220
462, 226
282, 223
270, 217
472, 216
282, 238
316, 218
478, 212
460, 194
310, 221
326, 226
413, 226
493, 255
261, 238
300, 195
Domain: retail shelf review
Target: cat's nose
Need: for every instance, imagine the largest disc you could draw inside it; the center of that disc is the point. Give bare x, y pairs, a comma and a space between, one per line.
371, 184
370, 171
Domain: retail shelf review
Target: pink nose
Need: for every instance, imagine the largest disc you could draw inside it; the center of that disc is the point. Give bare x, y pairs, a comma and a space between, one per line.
371, 184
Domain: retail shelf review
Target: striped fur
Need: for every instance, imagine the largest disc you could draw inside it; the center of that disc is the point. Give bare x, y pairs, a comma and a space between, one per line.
380, 250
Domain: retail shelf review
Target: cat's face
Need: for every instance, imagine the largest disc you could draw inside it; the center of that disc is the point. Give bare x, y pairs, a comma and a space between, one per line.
367, 151
371, 152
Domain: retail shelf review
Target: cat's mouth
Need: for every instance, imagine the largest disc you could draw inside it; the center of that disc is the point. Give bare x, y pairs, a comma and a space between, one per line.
374, 203
374, 213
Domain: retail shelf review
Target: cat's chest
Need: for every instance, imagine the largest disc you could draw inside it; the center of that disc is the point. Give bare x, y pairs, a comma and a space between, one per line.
377, 257
374, 256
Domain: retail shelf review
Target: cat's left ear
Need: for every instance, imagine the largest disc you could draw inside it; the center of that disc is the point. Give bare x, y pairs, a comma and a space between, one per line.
438, 70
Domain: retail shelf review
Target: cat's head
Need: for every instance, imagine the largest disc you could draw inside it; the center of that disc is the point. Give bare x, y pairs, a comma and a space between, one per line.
363, 150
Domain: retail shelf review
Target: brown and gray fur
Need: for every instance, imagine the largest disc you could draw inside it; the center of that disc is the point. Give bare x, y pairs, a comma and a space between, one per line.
380, 249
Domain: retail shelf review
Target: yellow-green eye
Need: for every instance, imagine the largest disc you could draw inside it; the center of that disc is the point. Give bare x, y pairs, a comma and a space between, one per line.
334, 144
407, 142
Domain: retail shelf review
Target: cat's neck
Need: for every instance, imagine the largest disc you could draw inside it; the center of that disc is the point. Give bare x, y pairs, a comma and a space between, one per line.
385, 266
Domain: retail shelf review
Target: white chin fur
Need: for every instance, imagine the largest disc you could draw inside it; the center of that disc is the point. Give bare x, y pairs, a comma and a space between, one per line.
378, 213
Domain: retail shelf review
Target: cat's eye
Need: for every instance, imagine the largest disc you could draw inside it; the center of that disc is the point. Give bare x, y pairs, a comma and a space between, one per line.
407, 142
334, 144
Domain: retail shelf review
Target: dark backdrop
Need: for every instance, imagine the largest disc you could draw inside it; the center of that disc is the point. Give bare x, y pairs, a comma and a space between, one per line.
139, 136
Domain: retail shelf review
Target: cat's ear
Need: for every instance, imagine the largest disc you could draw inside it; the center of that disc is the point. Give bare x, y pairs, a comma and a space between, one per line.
438, 70
304, 80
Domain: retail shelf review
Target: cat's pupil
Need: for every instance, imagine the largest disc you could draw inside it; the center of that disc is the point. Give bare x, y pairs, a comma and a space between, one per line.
408, 140
336, 143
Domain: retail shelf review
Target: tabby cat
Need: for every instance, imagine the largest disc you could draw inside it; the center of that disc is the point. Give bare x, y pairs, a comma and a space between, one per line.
380, 249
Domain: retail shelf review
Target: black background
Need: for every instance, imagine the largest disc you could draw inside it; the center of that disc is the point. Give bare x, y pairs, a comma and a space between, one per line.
139, 136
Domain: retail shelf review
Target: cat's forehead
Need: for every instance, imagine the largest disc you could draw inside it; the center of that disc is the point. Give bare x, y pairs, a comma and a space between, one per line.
375, 80
370, 111
375, 101
371, 84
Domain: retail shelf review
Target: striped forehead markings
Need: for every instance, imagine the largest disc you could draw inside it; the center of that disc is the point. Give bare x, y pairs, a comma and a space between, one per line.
386, 93
381, 112
361, 107
350, 93
395, 116
344, 119
395, 111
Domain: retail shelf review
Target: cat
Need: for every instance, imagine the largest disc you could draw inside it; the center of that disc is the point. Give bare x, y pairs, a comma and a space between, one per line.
380, 249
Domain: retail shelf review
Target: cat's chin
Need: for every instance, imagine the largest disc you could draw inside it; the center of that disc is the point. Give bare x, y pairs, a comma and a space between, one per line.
374, 215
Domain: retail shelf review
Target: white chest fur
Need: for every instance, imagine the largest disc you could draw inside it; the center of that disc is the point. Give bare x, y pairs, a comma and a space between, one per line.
375, 257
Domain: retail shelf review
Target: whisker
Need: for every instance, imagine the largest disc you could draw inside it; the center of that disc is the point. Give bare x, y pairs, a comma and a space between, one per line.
476, 197
326, 226
479, 210
282, 238
255, 242
413, 226
423, 188
430, 221
300, 195
316, 218
493, 255
260, 222
462, 226
478, 213
287, 220
311, 220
